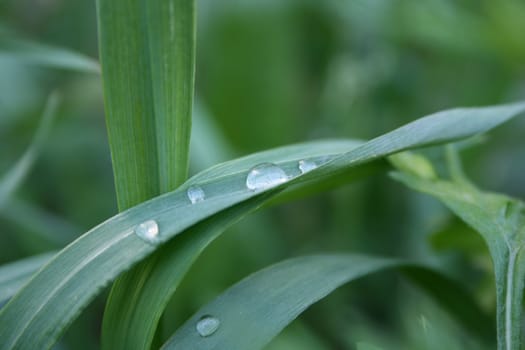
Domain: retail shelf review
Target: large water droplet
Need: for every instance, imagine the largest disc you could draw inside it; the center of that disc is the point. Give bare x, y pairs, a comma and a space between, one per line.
264, 176
148, 231
195, 194
306, 166
207, 325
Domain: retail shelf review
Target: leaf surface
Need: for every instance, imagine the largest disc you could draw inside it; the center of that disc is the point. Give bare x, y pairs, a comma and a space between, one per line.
40, 312
500, 220
255, 310
147, 51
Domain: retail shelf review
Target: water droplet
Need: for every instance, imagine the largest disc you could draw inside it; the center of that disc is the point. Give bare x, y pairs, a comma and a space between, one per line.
207, 325
148, 231
306, 166
264, 176
195, 194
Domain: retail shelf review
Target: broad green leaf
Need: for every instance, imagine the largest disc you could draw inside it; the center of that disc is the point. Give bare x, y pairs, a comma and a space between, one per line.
14, 177
500, 220
40, 312
147, 51
255, 310
45, 55
14, 275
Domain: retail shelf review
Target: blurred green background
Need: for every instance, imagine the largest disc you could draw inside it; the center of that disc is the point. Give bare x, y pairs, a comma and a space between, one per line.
270, 73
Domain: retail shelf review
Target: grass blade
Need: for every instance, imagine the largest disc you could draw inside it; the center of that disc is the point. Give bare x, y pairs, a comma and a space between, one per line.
148, 61
148, 289
147, 50
14, 177
40, 312
14, 275
45, 55
255, 310
134, 328
500, 220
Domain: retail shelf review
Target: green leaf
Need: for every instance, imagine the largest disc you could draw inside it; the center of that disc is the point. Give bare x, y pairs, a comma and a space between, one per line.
255, 310
14, 275
155, 282
16, 175
147, 51
40, 312
138, 299
500, 220
45, 55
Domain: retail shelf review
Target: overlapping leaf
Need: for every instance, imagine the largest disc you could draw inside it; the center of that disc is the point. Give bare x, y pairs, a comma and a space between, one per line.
41, 311
500, 220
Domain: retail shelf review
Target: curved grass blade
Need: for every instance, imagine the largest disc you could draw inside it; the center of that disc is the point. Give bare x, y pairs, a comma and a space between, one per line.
45, 55
38, 315
40, 312
252, 312
138, 299
14, 275
150, 292
323, 149
14, 177
120, 329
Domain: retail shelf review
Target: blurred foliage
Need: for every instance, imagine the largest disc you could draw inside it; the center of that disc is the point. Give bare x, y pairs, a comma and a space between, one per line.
270, 73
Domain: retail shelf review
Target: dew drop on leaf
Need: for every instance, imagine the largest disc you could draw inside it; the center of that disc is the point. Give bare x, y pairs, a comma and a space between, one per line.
148, 231
265, 175
207, 325
195, 194
306, 166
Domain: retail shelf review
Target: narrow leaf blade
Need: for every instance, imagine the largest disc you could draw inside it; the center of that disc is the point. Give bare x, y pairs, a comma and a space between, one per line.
45, 55
16, 175
41, 311
255, 310
147, 51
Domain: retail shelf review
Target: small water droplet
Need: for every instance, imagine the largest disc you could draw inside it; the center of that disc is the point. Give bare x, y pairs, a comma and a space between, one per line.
264, 176
148, 231
195, 194
306, 166
207, 325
